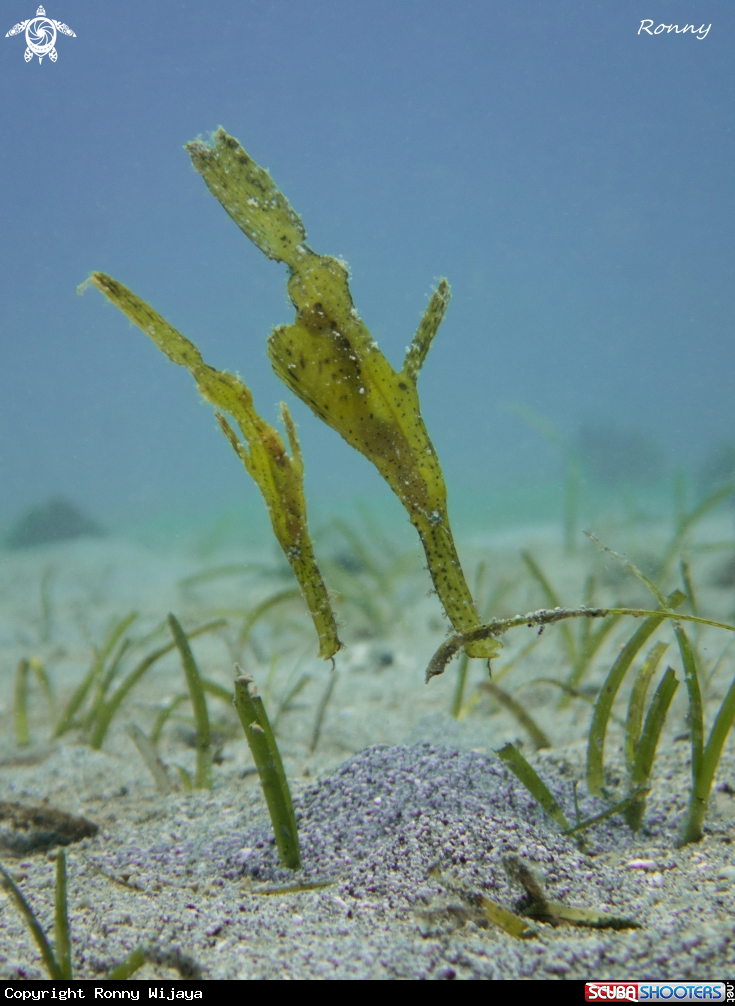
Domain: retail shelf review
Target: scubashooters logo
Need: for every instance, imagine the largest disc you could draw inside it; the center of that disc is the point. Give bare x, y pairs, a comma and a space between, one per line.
40, 35
655, 991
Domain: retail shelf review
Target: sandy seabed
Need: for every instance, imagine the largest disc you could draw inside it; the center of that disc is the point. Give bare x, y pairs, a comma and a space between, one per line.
400, 806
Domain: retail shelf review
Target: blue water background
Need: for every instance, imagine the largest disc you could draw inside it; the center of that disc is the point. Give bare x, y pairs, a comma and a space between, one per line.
572, 178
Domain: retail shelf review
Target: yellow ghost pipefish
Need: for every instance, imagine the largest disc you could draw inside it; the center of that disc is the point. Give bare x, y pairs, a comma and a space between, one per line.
331, 362
279, 477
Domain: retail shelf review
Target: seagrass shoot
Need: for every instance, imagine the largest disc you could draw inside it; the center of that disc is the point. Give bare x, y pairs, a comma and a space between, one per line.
264, 749
99, 696
57, 958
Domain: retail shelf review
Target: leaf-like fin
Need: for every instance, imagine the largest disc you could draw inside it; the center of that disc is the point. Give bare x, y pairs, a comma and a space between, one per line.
429, 326
249, 195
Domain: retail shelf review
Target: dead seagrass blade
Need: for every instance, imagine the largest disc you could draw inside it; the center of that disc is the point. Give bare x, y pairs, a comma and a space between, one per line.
331, 362
279, 477
555, 912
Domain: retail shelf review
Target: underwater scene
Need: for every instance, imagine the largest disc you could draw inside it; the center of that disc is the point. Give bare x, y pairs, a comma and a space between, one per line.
367, 491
